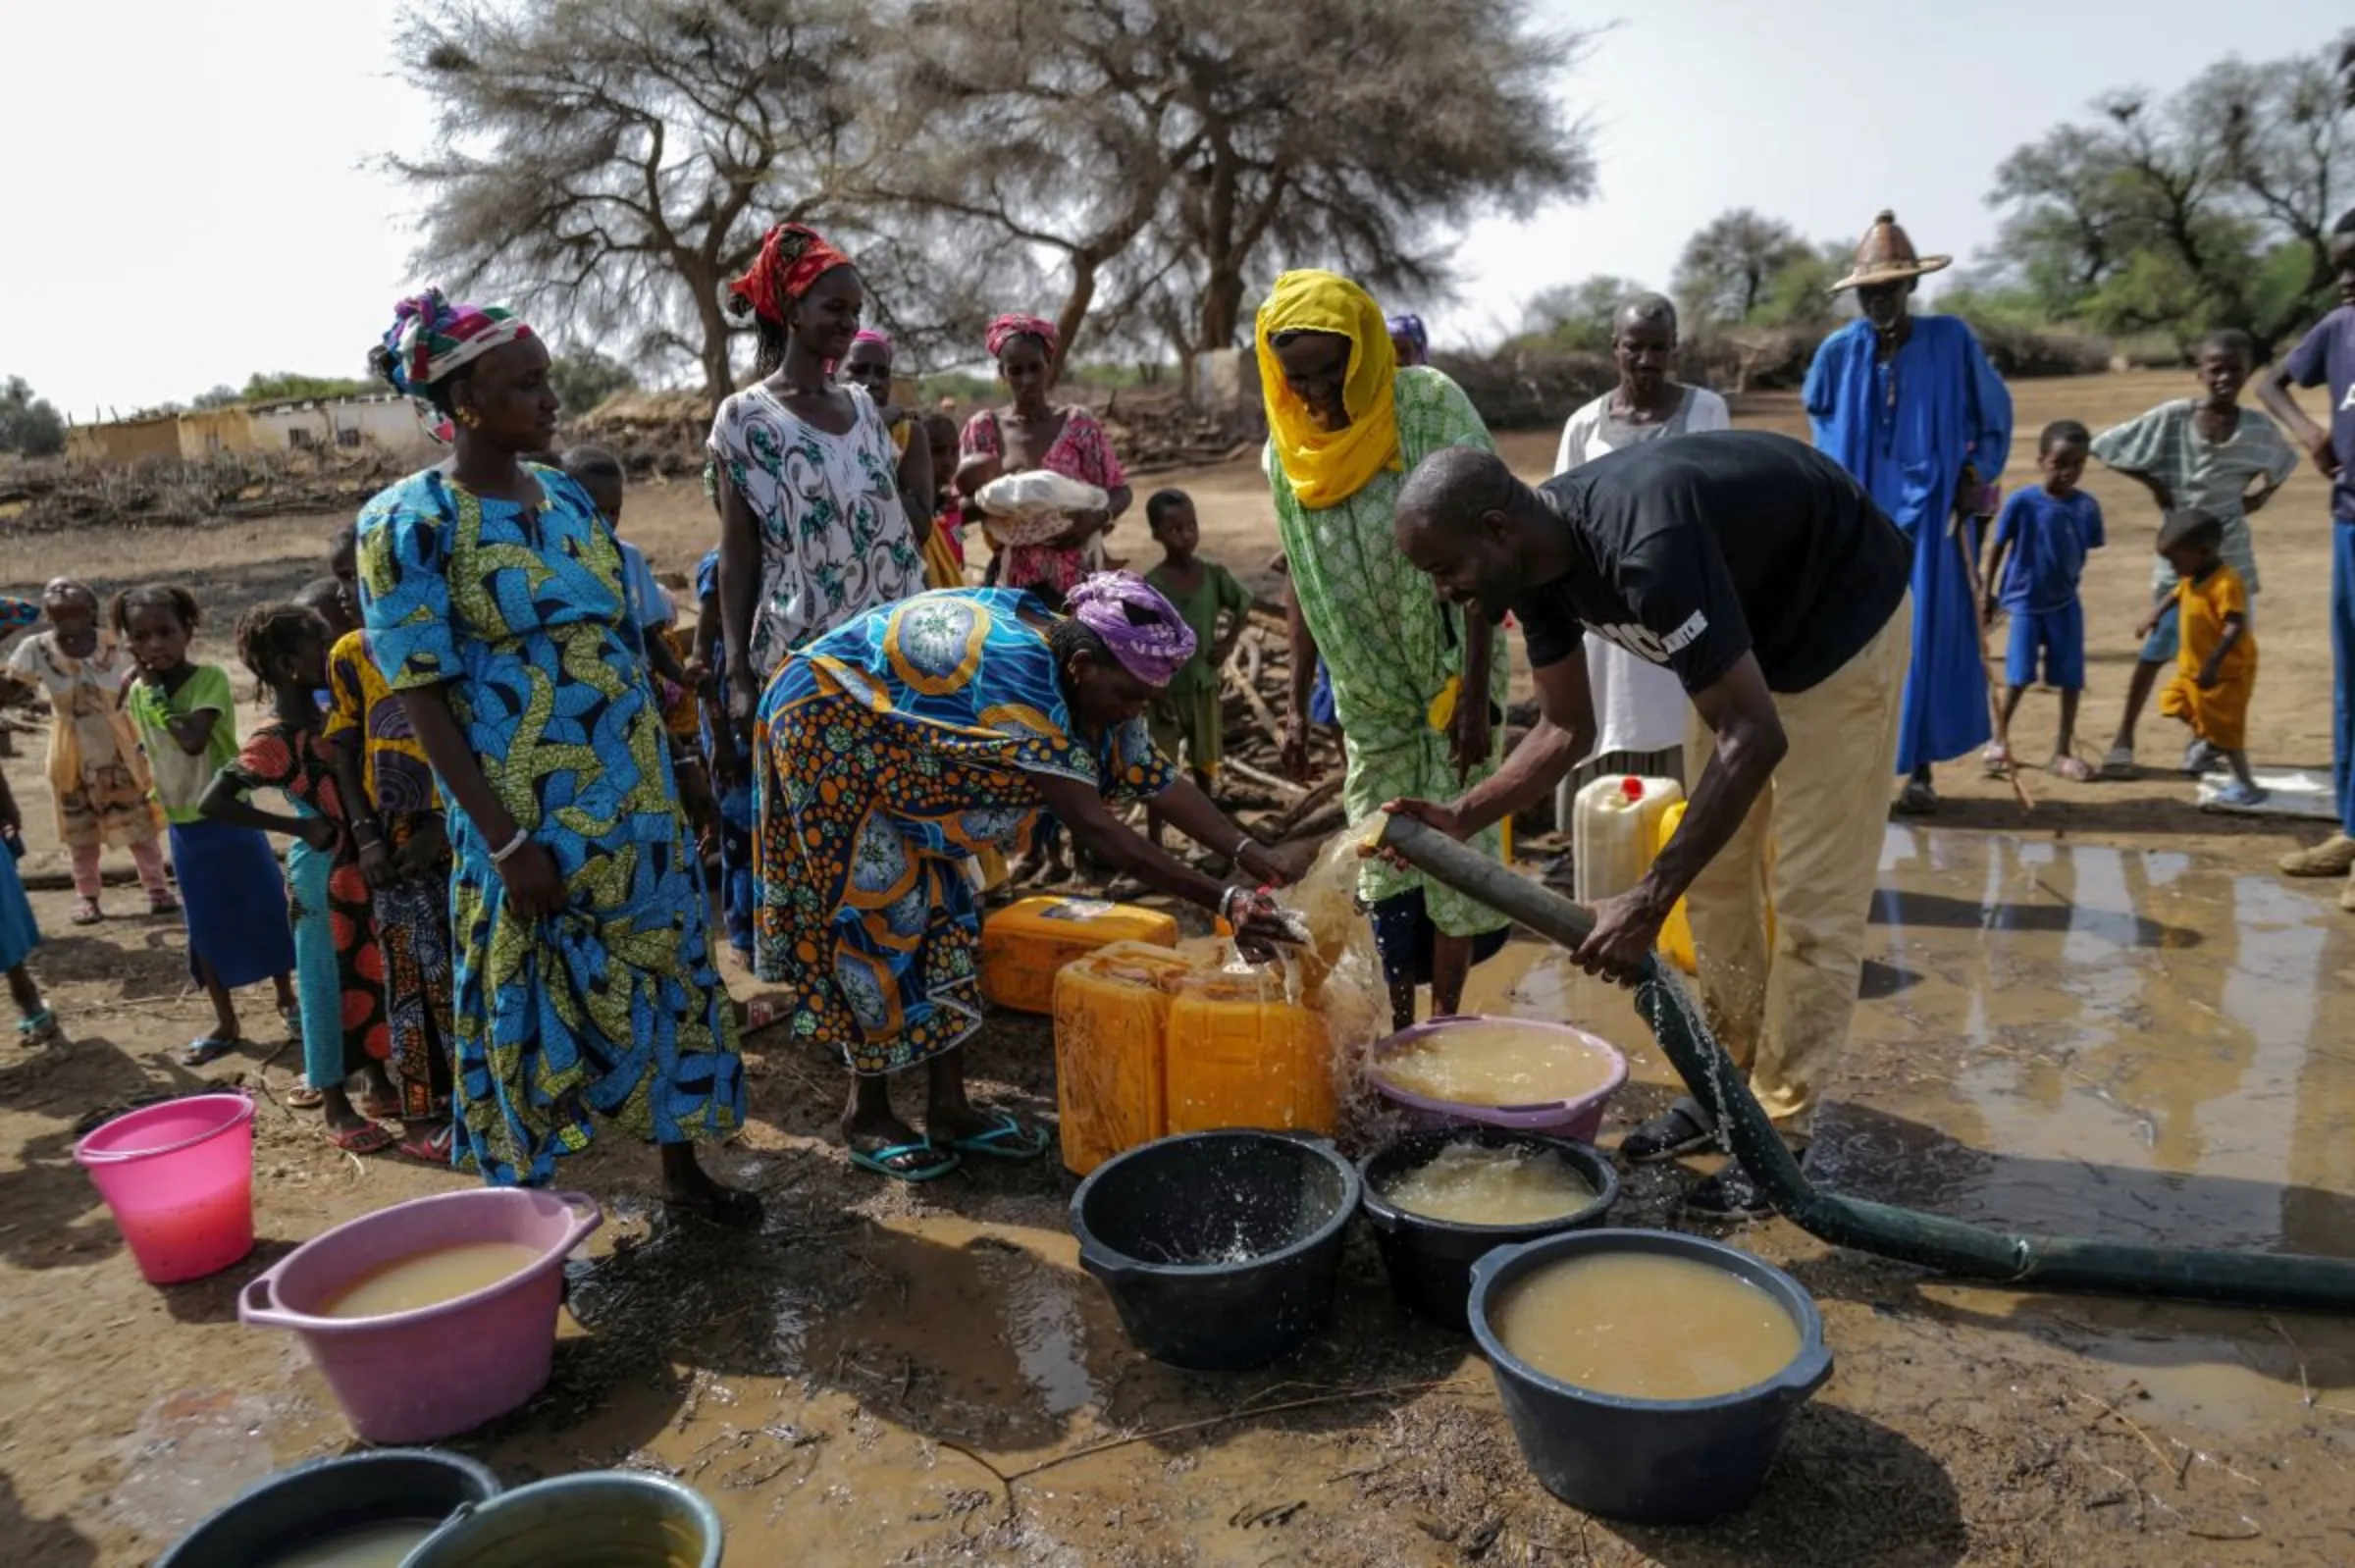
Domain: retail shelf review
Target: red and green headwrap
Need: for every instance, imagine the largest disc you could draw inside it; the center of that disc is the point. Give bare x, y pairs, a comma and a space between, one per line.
429, 338
793, 257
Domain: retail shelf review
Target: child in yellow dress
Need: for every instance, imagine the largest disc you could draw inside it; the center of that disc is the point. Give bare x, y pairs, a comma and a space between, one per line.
2215, 665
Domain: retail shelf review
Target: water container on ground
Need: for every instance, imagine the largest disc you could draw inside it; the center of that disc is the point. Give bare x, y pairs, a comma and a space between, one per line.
1676, 933
1025, 943
1614, 831
1112, 1025
1241, 1056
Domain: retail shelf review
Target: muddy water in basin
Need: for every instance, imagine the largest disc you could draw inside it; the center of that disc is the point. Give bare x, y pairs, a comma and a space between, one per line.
1470, 1183
381, 1546
428, 1279
1642, 1325
1495, 1062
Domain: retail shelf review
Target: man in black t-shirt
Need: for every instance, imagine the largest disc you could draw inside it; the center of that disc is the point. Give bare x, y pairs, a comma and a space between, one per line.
1762, 575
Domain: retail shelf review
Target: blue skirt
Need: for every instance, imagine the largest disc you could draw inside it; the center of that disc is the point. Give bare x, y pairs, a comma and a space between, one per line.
235, 899
18, 936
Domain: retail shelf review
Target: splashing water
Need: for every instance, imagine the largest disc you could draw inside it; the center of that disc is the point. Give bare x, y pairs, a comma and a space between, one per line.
1336, 974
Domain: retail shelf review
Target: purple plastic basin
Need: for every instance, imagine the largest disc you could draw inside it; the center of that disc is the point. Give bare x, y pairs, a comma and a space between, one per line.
412, 1377
1580, 1119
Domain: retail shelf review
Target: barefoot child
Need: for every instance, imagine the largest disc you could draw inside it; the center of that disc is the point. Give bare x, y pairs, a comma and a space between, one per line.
2216, 667
285, 647
2040, 544
19, 935
96, 774
233, 894
403, 851
2204, 453
1217, 609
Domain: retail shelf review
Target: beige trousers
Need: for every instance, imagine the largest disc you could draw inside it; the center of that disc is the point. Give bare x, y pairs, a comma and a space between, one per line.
1813, 840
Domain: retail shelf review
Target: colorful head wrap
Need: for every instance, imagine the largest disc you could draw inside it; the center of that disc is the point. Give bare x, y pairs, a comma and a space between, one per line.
429, 338
1014, 323
1327, 467
1152, 651
872, 335
793, 256
1410, 327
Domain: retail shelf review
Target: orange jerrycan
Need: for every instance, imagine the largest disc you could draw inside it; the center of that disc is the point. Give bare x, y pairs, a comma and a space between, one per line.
1112, 1027
1025, 943
1241, 1056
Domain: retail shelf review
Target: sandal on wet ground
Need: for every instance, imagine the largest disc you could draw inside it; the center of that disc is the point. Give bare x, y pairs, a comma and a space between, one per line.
1996, 760
303, 1097
369, 1139
2120, 763
2071, 768
1684, 1128
206, 1049
37, 1028
1916, 798
899, 1161
85, 912
1008, 1140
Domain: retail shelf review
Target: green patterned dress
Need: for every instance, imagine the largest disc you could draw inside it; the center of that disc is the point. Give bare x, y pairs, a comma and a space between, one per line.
610, 1007
1389, 642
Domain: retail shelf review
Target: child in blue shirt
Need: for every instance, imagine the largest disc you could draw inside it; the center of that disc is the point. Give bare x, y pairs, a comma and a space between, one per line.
2040, 544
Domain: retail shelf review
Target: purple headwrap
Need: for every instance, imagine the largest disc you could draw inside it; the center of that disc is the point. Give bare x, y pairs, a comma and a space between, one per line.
1410, 327
1153, 651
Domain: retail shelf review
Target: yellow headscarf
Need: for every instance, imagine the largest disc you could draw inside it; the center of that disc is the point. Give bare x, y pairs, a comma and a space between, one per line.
1327, 467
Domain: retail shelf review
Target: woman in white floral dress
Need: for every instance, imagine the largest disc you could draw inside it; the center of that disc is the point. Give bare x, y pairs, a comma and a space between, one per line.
814, 530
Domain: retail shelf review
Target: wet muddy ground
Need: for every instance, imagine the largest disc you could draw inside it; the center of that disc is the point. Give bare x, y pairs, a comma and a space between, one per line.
922, 1375
2107, 1017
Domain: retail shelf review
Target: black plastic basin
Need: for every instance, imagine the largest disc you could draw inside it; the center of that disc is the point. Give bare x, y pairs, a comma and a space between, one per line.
1649, 1461
1220, 1250
302, 1505
1429, 1261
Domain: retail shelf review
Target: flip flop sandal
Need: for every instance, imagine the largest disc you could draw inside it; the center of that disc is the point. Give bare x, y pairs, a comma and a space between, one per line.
1995, 760
2071, 768
86, 913
432, 1149
38, 1029
162, 904
369, 1139
1008, 1140
879, 1161
303, 1097
206, 1049
1684, 1128
2120, 764
1916, 798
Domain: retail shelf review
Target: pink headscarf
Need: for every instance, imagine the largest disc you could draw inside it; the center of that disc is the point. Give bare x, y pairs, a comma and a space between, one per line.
1154, 650
1014, 323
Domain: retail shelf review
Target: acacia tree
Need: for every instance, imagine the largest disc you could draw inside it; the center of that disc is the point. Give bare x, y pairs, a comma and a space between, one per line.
610, 164
29, 426
2210, 208
1723, 276
1160, 153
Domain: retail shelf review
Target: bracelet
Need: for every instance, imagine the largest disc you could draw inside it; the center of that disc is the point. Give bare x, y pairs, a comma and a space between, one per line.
513, 846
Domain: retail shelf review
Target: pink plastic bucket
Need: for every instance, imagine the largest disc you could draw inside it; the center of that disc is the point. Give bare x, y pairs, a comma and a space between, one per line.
178, 1177
1579, 1119
411, 1377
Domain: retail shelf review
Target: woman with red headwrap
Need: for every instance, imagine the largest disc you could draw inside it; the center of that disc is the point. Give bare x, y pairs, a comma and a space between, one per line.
814, 530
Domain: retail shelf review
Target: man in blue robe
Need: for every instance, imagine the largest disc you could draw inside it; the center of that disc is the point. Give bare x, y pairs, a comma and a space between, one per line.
1910, 406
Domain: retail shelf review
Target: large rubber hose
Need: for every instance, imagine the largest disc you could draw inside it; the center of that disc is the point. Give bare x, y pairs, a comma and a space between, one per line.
1933, 1241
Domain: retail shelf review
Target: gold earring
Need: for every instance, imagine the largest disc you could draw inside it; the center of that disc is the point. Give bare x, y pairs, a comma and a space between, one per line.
469, 418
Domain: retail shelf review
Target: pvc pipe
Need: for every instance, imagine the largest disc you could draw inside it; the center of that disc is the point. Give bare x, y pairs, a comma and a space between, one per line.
2267, 1280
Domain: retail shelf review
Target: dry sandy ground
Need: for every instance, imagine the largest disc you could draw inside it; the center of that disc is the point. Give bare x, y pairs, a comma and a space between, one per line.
2105, 1017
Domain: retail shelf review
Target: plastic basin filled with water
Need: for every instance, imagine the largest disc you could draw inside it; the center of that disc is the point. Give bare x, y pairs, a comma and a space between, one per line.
1219, 1250
1522, 1073
338, 1511
603, 1519
179, 1179
1442, 1200
1649, 1376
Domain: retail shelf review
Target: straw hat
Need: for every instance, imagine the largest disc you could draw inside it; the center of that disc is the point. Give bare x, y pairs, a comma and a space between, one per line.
1886, 256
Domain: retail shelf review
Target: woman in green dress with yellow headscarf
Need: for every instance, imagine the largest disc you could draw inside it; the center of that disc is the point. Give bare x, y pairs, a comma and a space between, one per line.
1418, 687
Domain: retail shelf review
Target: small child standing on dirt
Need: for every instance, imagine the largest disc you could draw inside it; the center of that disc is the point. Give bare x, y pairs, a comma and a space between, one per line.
2203, 454
2216, 667
97, 775
19, 935
231, 893
335, 924
1218, 608
2039, 554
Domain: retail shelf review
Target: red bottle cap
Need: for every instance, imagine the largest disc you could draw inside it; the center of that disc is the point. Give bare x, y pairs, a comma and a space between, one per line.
1632, 788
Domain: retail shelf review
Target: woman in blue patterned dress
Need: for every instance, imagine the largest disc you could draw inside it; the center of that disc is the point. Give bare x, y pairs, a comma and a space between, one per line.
493, 595
891, 750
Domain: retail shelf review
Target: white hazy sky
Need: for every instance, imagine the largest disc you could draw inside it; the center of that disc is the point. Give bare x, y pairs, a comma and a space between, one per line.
189, 197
